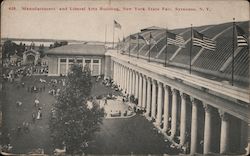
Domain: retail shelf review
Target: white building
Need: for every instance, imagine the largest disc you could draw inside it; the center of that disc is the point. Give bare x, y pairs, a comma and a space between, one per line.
62, 58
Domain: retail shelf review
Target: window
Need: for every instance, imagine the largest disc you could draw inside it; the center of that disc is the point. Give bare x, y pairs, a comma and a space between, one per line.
96, 61
87, 61
79, 60
71, 60
63, 60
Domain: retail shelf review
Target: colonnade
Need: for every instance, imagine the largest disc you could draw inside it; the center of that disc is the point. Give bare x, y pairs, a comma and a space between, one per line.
160, 102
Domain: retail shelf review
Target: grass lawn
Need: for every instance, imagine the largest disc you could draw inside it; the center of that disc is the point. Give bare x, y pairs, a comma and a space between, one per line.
117, 136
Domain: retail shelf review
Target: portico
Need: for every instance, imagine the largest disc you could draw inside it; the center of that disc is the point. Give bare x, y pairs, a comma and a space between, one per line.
157, 88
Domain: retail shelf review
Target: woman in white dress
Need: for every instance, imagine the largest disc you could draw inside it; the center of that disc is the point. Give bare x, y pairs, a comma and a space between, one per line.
38, 115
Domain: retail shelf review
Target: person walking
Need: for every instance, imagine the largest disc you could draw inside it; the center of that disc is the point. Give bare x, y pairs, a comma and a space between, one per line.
36, 102
33, 117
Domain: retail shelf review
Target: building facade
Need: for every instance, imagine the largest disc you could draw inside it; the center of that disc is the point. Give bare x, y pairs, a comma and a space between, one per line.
204, 111
62, 58
199, 110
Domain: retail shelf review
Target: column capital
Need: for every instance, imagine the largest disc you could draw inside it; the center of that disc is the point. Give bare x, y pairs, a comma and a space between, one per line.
223, 115
148, 79
159, 83
154, 81
174, 91
166, 87
183, 95
207, 108
193, 100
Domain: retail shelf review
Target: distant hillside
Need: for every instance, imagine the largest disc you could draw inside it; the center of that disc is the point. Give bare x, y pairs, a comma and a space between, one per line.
48, 40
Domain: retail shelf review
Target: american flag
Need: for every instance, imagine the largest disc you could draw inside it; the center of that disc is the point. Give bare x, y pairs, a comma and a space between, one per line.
203, 41
175, 39
117, 25
132, 37
241, 38
152, 40
141, 37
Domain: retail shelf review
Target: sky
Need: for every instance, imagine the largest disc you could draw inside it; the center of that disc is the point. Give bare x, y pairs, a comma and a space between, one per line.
89, 20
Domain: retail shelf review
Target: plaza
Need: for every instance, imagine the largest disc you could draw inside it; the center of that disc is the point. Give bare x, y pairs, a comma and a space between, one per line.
117, 136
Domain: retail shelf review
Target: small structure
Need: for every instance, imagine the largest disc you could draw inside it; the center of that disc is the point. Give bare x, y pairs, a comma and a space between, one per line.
14, 59
62, 58
31, 56
45, 61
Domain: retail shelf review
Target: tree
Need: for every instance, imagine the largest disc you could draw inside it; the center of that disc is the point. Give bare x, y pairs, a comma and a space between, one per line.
9, 48
41, 50
75, 121
20, 49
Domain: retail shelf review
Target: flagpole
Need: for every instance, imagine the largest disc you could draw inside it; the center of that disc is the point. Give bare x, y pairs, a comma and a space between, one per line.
117, 46
138, 46
166, 49
191, 46
129, 45
105, 39
113, 34
233, 52
149, 46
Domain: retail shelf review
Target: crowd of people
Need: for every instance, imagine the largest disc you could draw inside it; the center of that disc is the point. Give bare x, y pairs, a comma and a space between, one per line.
108, 82
10, 74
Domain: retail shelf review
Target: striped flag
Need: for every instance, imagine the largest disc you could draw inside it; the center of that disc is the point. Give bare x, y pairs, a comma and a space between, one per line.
203, 41
132, 37
117, 25
175, 39
152, 40
241, 38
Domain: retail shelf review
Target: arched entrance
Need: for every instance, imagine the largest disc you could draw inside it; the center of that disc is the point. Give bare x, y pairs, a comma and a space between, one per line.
30, 59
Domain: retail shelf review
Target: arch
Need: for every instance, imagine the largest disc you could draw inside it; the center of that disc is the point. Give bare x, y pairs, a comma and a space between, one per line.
31, 57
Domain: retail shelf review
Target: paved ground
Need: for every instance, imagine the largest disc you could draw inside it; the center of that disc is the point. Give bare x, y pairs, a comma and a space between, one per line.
117, 136
132, 135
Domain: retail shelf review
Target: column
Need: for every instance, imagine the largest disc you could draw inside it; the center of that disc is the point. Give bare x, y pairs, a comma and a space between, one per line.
140, 91
133, 83
153, 99
119, 75
148, 97
67, 66
127, 80
136, 84
194, 126
115, 72
130, 82
83, 64
58, 66
207, 129
183, 118
174, 113
100, 67
125, 77
224, 139
166, 108
91, 66
121, 78
144, 92
159, 104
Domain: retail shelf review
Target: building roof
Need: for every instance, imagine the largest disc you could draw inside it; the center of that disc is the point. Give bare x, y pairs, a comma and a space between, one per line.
78, 49
152, 28
15, 56
31, 50
216, 63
